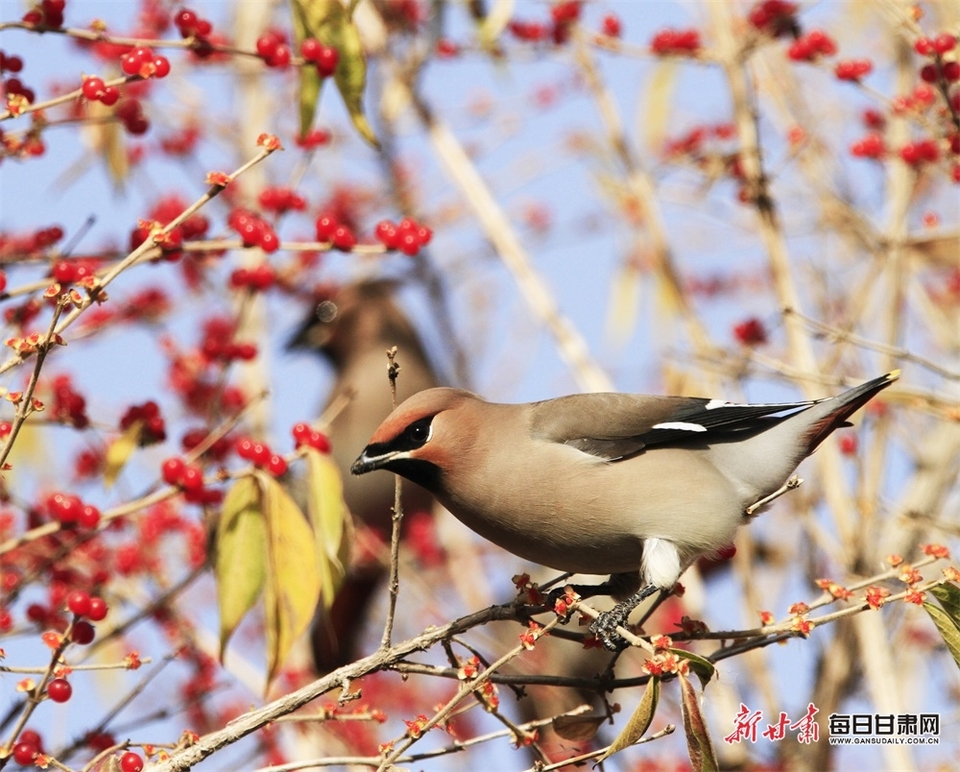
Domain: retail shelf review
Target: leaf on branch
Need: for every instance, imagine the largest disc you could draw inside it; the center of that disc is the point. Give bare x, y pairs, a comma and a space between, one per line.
240, 561
654, 109
119, 452
639, 722
292, 587
703, 667
577, 729
330, 520
491, 26
947, 619
330, 22
703, 758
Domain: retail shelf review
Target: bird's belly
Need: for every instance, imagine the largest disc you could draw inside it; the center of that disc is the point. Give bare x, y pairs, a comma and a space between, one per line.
595, 518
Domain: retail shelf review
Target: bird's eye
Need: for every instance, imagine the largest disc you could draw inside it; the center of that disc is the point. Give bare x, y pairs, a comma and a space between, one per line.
419, 432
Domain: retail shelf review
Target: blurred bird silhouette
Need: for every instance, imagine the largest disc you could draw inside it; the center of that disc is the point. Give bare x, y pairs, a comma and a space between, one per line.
351, 330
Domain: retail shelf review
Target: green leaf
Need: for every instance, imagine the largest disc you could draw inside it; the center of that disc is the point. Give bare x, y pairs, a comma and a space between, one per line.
639, 722
947, 619
240, 556
119, 452
949, 597
330, 520
330, 23
703, 758
292, 587
703, 667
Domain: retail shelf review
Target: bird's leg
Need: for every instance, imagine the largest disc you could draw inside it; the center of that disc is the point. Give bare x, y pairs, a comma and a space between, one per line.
605, 626
618, 585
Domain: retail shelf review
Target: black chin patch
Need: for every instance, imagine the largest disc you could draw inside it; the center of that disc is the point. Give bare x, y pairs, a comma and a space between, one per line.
423, 473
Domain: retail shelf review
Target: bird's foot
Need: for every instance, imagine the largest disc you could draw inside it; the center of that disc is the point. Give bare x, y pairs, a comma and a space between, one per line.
605, 627
606, 624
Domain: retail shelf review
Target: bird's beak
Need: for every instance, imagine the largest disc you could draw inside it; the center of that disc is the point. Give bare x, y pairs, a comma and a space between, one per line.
368, 461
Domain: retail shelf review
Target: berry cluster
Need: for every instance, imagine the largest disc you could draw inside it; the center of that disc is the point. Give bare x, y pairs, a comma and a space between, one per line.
14, 88
218, 344
9, 63
408, 236
324, 58
870, 146
190, 25
253, 230
261, 456
30, 243
152, 429
142, 62
67, 509
812, 46
681, 42
775, 18
69, 406
84, 607
273, 48
941, 44
130, 114
611, 26
313, 139
95, 90
305, 435
29, 746
750, 332
281, 199
920, 152
48, 14
330, 230
853, 69
948, 71
189, 478
255, 279
73, 271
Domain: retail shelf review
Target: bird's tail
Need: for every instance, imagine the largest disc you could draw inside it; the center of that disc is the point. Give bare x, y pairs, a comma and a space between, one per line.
842, 407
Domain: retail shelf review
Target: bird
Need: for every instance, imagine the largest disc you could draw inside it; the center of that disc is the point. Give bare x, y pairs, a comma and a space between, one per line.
351, 327
631, 485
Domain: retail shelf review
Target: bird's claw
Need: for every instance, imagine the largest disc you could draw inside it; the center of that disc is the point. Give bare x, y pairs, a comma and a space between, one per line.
605, 628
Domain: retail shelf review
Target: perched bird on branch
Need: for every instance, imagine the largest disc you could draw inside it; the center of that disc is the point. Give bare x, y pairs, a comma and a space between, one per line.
629, 485
351, 330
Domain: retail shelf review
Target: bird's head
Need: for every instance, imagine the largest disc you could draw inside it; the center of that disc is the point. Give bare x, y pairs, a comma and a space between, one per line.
419, 439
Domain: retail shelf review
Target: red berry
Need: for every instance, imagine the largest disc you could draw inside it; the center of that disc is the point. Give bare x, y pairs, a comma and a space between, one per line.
161, 66
923, 46
89, 516
110, 95
32, 737
245, 448
25, 753
951, 71
281, 56
343, 238
269, 240
310, 49
59, 690
409, 243
319, 441
93, 88
172, 469
929, 73
131, 762
327, 60
98, 609
191, 479
611, 25
326, 225
259, 453
83, 633
79, 603
301, 432
277, 465
186, 21
944, 42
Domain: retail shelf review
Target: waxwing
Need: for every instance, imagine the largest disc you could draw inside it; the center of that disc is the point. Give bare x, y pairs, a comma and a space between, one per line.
620, 484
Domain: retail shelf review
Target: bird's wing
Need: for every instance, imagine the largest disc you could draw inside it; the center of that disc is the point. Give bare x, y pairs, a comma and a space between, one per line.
617, 426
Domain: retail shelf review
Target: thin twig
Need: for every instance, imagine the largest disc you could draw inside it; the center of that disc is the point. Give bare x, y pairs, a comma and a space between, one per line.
393, 371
